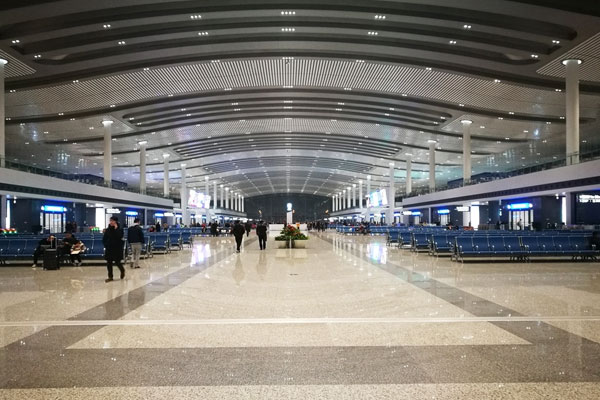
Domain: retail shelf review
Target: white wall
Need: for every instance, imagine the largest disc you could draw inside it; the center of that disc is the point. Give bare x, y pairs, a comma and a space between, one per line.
579, 171
118, 197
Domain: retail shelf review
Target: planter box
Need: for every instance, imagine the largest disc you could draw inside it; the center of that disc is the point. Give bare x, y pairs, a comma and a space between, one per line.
296, 244
299, 244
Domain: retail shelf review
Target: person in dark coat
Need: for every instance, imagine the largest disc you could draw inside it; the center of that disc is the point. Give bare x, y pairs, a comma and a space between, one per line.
49, 242
261, 232
214, 229
248, 227
113, 247
157, 226
238, 232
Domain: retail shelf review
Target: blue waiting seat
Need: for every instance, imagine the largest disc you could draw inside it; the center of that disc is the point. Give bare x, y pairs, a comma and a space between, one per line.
441, 244
175, 240
393, 237
405, 239
420, 241
159, 242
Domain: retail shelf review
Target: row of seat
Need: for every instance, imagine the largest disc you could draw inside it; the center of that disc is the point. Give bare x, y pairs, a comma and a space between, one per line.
20, 248
524, 247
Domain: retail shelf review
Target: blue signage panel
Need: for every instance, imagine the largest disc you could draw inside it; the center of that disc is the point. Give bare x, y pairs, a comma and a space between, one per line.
519, 206
54, 209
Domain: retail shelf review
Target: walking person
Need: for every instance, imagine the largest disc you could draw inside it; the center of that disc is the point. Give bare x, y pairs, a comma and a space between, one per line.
238, 232
113, 247
261, 232
135, 237
248, 227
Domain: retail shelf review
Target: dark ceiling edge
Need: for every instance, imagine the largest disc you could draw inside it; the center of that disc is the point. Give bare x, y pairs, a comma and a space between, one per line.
462, 15
115, 69
191, 27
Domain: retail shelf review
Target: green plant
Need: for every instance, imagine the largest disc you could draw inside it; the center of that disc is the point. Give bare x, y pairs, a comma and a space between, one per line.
291, 233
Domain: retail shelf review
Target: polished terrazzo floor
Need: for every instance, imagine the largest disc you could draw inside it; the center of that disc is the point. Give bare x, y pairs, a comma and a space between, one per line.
346, 318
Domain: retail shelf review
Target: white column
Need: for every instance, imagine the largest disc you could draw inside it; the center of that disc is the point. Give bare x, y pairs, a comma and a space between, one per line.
368, 193
344, 199
214, 195
354, 195
333, 203
337, 201
243, 207
166, 176
349, 197
467, 215
360, 196
389, 219
408, 174
142, 145
227, 197
185, 214
3, 62
237, 202
107, 153
431, 167
222, 197
466, 150
206, 187
3, 212
569, 199
572, 112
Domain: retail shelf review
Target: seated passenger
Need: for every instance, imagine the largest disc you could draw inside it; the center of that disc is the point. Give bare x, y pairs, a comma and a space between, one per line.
44, 244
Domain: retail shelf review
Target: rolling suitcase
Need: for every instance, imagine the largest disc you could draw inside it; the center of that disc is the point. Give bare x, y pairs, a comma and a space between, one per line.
50, 259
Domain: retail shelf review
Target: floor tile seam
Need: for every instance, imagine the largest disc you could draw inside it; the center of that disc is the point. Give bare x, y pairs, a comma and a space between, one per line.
422, 279
440, 285
215, 260
296, 321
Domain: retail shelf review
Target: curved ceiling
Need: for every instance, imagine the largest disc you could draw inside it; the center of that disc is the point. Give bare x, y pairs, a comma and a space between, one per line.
291, 96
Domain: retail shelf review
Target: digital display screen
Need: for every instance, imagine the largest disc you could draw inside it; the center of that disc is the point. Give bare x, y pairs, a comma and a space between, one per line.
378, 198
198, 200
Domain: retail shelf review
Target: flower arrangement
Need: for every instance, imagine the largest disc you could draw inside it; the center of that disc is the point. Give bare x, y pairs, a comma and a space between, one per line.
291, 233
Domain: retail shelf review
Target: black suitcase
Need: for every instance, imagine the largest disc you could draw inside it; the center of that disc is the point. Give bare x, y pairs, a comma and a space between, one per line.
51, 259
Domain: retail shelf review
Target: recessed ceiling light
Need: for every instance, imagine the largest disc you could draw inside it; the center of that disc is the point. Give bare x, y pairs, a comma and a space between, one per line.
288, 29
452, 42
467, 26
535, 56
196, 16
16, 41
556, 41
121, 43
106, 26
202, 33
288, 13
37, 56
372, 33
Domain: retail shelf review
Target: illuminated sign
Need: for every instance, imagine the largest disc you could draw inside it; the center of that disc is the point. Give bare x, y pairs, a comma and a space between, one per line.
131, 213
198, 200
407, 212
169, 214
377, 199
443, 211
588, 198
416, 213
462, 209
159, 214
520, 206
289, 206
54, 209
113, 211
